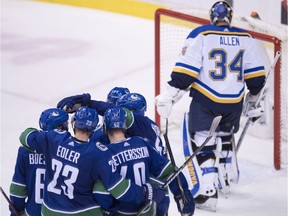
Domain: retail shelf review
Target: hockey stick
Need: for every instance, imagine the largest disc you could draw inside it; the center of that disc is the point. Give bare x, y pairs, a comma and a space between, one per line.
249, 120
212, 130
167, 142
9, 201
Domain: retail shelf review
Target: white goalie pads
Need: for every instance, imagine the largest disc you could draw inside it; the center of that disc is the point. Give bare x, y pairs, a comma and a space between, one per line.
227, 163
204, 177
211, 174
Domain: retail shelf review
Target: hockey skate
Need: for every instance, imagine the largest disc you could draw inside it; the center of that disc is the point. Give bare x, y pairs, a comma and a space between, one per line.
206, 202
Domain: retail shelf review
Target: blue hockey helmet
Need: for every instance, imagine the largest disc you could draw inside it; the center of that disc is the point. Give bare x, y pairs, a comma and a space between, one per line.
221, 11
134, 102
115, 117
116, 93
85, 119
52, 118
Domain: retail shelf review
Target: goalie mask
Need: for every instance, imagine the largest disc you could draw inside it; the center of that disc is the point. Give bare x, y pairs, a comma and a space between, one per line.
52, 118
221, 11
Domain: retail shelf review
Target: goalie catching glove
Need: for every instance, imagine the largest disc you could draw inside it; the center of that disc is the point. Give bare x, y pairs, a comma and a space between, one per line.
251, 109
165, 101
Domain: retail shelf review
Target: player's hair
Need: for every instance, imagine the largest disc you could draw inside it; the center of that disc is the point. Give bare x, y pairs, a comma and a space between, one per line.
85, 119
116, 93
221, 11
115, 118
53, 118
134, 102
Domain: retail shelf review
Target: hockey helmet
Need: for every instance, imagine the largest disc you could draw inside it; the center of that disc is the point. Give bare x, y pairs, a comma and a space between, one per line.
51, 118
115, 117
116, 93
134, 102
85, 118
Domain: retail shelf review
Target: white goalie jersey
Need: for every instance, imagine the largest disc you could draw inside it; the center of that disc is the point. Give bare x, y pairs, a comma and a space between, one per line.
218, 61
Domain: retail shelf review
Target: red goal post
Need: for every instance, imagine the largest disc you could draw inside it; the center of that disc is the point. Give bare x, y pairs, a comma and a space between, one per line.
169, 23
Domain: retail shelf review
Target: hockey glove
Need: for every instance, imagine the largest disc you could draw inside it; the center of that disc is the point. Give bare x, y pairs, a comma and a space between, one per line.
186, 207
154, 193
19, 213
72, 103
111, 212
164, 105
255, 113
165, 101
250, 109
249, 102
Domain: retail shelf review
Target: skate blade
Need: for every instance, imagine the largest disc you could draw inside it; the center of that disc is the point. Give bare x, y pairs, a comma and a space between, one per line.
225, 191
209, 205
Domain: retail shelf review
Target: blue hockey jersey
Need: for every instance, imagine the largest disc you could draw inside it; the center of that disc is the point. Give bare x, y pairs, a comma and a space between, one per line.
26, 189
72, 168
137, 160
138, 125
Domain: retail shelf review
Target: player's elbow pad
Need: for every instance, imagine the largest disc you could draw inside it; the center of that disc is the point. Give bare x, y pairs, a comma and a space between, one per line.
24, 135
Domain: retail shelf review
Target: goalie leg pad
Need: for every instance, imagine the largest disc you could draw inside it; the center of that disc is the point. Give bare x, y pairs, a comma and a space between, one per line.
227, 160
206, 157
223, 185
205, 166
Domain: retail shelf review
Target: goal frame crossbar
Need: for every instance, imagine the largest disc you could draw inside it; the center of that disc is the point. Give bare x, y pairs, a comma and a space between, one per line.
268, 38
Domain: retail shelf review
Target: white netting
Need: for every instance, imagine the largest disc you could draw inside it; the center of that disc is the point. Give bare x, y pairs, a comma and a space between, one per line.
173, 32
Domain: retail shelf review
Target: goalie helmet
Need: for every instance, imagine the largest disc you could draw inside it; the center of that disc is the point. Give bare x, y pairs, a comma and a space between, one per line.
221, 11
115, 118
85, 119
52, 118
116, 93
134, 102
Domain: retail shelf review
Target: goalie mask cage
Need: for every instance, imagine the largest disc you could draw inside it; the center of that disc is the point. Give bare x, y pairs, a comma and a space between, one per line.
171, 30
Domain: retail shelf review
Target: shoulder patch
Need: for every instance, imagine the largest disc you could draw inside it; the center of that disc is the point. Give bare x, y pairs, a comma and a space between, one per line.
101, 147
129, 118
60, 131
183, 52
156, 129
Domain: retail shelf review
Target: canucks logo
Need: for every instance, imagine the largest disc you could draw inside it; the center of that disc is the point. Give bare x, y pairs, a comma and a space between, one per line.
101, 146
55, 113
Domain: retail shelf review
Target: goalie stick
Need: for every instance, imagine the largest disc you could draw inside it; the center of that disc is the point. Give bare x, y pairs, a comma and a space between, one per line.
9, 201
212, 130
249, 120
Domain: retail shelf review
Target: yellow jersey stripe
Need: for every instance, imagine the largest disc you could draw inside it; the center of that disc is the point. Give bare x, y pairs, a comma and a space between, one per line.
217, 99
185, 71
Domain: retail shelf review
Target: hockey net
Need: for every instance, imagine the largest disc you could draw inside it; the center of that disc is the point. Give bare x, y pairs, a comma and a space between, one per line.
171, 29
